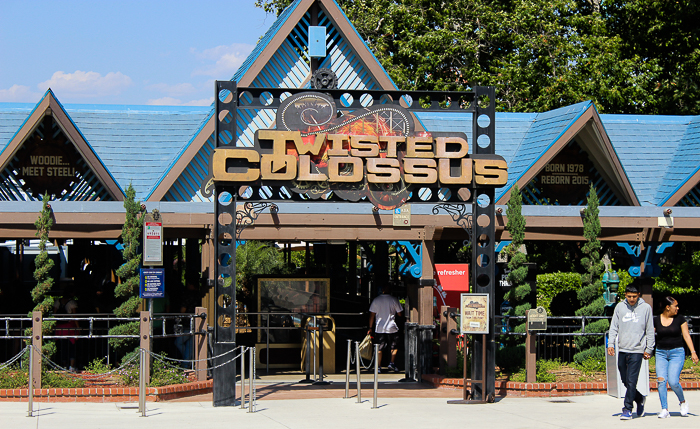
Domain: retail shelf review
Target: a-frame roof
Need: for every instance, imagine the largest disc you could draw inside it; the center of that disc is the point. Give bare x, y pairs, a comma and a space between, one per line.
528, 141
683, 173
49, 106
279, 60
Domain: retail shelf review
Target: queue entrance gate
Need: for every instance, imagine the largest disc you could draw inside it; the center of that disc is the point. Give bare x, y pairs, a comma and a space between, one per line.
334, 145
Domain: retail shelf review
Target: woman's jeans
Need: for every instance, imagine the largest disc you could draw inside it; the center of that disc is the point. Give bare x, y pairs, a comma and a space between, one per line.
669, 364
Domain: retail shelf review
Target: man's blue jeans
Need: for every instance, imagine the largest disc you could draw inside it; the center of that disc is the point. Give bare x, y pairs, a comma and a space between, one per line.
669, 364
629, 365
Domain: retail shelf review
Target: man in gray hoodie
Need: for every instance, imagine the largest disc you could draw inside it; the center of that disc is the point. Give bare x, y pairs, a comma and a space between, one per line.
632, 326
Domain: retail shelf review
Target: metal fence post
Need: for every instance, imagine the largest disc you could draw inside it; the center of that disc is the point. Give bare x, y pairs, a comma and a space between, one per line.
251, 383
30, 392
376, 374
347, 371
243, 378
142, 380
37, 342
357, 369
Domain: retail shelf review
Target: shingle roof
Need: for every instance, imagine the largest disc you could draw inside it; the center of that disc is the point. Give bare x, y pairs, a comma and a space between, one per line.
685, 162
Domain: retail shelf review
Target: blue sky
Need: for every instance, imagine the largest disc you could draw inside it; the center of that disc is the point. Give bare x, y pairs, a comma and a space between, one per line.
124, 51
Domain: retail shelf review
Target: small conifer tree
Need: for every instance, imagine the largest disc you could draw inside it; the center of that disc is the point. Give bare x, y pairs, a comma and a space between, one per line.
520, 289
127, 290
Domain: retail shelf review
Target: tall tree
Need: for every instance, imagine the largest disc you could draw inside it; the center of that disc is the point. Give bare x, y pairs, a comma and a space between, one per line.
128, 272
591, 293
540, 54
520, 290
663, 39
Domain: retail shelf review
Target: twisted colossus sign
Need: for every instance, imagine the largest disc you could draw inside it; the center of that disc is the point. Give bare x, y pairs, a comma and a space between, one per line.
373, 153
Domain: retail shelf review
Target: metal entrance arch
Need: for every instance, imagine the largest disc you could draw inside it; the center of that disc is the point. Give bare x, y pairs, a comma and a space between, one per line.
237, 108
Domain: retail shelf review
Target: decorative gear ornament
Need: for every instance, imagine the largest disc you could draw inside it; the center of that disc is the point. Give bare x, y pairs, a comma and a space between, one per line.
324, 78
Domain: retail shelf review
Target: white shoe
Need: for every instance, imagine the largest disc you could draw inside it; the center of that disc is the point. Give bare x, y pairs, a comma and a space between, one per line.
684, 409
664, 414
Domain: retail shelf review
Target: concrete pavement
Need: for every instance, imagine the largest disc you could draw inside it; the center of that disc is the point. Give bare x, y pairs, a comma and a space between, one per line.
593, 411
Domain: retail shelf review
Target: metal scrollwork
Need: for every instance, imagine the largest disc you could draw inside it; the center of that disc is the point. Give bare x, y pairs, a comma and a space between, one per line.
459, 215
249, 214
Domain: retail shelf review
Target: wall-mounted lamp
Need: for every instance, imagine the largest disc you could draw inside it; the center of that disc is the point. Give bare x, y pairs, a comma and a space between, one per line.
274, 208
668, 212
582, 211
375, 209
499, 210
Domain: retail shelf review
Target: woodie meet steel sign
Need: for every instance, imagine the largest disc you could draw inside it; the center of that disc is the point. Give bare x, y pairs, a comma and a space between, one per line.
372, 152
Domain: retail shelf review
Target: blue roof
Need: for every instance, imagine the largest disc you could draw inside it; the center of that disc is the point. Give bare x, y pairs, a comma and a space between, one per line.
135, 143
684, 164
645, 145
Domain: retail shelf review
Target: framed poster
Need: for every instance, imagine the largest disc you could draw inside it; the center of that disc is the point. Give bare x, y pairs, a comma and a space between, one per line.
474, 310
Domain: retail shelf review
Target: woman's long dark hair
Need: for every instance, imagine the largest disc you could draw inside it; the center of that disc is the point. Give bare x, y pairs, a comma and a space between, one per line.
666, 301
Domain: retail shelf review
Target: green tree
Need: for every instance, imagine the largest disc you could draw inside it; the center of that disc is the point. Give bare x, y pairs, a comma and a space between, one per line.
127, 290
520, 290
591, 293
539, 54
44, 282
663, 41
255, 258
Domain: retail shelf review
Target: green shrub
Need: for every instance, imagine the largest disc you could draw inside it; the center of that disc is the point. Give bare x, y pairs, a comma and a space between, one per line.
98, 366
60, 380
591, 365
13, 378
544, 368
552, 284
162, 374
597, 353
588, 341
511, 358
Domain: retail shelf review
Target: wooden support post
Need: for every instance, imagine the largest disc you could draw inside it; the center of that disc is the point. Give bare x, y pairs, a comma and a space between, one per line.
530, 357
145, 341
200, 344
452, 337
37, 341
443, 335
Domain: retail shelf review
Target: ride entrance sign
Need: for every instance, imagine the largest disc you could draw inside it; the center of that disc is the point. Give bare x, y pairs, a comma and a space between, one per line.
537, 319
153, 239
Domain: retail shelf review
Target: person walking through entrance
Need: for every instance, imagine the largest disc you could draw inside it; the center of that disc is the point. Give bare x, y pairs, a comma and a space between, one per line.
671, 330
383, 311
633, 327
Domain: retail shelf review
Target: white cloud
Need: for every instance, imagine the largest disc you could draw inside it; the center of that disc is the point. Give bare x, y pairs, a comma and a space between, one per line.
170, 101
227, 59
86, 84
176, 90
19, 94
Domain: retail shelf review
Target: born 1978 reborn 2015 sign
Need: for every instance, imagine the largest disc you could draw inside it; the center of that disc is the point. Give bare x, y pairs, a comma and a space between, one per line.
372, 153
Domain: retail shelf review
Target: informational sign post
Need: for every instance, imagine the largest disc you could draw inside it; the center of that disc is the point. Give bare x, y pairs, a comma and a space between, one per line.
537, 319
475, 313
153, 239
152, 284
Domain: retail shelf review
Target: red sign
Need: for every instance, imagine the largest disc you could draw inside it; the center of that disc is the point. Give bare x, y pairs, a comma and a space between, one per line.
451, 280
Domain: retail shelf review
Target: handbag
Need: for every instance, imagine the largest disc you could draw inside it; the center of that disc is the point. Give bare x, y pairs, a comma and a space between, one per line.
366, 348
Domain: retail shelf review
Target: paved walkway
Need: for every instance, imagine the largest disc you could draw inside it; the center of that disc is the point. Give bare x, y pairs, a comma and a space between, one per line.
595, 411
283, 403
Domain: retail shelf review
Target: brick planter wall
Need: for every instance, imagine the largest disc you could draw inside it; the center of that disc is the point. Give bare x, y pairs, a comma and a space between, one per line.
108, 394
515, 389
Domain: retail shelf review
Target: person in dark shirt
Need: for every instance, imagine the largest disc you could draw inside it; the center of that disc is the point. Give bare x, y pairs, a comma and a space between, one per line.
671, 330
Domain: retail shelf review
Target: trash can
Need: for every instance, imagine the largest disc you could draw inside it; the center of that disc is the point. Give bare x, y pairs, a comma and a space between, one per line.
615, 386
418, 345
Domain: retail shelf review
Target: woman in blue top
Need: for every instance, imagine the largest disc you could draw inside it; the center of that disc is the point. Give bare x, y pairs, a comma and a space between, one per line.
671, 330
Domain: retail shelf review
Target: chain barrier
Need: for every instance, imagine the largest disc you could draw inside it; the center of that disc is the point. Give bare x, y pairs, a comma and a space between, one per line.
15, 358
83, 376
362, 362
194, 360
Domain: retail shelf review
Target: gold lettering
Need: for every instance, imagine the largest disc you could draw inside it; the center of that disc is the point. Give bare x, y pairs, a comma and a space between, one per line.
305, 170
336, 145
334, 165
419, 170
465, 176
314, 148
419, 147
391, 144
490, 171
218, 161
278, 167
441, 147
383, 170
364, 146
